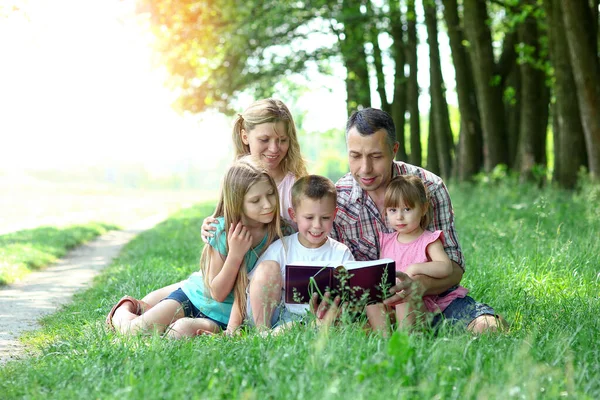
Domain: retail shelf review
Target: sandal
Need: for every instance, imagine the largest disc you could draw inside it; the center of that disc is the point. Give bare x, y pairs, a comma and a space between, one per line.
124, 299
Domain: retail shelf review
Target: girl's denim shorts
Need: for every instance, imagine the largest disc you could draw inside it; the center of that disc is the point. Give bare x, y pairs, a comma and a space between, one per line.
189, 309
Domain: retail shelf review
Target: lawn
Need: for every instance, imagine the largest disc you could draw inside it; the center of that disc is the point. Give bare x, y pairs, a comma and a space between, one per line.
24, 251
532, 254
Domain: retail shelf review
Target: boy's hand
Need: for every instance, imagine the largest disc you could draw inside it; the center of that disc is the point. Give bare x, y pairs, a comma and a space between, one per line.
327, 312
239, 240
208, 228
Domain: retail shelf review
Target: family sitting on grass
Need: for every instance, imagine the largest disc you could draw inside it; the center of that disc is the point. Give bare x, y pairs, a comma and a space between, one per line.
382, 208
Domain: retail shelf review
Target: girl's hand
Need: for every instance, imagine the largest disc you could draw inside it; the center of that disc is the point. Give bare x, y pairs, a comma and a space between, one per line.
239, 240
208, 228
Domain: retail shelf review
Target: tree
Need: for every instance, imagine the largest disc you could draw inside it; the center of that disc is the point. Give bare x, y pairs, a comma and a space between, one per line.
534, 97
413, 84
352, 46
469, 155
487, 84
569, 141
398, 107
583, 51
439, 107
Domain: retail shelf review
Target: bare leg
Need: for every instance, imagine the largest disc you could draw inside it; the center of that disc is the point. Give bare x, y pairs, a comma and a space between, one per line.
158, 318
265, 292
488, 324
189, 327
378, 318
405, 316
128, 311
124, 315
153, 298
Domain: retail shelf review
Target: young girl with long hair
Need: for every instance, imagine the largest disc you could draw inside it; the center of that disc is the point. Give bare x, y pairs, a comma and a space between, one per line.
247, 223
415, 250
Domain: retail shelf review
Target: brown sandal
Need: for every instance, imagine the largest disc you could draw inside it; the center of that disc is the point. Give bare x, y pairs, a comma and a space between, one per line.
137, 304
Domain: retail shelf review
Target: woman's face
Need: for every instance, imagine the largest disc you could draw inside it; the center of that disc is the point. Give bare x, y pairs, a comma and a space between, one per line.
269, 141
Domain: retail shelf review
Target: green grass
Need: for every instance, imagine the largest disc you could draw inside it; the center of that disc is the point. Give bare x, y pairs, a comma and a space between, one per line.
532, 254
24, 251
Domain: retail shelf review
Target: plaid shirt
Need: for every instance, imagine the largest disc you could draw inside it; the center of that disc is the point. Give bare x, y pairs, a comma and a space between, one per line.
358, 220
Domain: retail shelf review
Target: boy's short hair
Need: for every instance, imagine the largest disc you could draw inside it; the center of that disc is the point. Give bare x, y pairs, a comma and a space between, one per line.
314, 187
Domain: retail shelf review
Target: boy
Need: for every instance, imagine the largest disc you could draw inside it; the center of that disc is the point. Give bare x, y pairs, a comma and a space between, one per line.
314, 200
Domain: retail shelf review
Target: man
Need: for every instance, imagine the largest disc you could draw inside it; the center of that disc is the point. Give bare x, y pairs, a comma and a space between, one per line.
372, 146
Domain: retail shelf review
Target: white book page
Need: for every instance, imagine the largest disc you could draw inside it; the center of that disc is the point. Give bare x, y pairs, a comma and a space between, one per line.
347, 264
361, 264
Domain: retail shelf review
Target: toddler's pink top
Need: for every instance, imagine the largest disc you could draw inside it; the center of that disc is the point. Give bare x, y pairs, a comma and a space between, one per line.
405, 254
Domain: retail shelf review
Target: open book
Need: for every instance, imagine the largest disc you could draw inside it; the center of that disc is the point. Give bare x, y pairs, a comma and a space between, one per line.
357, 282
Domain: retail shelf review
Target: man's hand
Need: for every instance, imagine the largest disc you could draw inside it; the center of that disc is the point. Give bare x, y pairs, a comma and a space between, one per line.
208, 228
404, 288
327, 312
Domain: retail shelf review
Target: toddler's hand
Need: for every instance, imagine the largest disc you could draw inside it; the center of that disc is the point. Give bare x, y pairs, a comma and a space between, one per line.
239, 240
411, 271
208, 228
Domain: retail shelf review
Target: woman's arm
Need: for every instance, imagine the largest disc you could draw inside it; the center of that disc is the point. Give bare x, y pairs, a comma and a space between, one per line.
435, 286
208, 228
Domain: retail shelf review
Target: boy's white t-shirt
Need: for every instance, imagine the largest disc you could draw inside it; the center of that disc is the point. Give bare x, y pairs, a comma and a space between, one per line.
331, 251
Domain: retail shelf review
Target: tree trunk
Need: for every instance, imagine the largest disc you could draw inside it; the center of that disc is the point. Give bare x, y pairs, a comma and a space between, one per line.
433, 161
512, 112
352, 47
533, 104
586, 71
439, 107
489, 92
569, 140
469, 157
413, 85
377, 58
398, 52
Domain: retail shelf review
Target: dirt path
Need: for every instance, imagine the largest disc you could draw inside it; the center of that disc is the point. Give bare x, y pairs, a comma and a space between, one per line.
41, 293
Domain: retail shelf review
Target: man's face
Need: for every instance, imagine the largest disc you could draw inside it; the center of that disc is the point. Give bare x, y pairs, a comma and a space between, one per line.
370, 159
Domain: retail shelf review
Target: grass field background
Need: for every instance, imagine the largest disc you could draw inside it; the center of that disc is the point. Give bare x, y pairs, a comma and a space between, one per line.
532, 254
28, 203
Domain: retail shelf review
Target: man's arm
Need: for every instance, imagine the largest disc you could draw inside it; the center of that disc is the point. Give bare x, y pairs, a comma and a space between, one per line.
437, 286
405, 285
443, 220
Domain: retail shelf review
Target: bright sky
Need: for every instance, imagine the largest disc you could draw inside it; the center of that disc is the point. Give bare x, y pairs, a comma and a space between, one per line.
78, 87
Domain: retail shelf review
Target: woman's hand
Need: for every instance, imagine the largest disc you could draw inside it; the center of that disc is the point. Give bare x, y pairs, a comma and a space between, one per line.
239, 240
208, 228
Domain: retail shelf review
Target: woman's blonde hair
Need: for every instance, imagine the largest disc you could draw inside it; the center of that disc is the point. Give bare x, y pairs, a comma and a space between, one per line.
242, 175
266, 111
408, 190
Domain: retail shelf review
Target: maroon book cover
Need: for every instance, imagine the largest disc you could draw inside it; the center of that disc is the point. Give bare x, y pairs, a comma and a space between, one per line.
354, 281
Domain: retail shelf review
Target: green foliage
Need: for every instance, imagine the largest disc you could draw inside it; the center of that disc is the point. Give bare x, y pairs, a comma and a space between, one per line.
24, 251
325, 152
529, 254
214, 50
